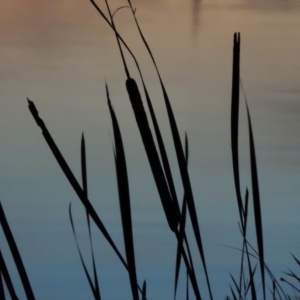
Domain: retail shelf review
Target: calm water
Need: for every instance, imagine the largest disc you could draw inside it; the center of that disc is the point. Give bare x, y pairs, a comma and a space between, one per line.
60, 53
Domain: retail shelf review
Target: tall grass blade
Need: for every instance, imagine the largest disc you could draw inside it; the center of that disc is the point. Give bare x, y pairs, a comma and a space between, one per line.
245, 247
233, 294
235, 95
83, 166
7, 279
251, 273
16, 255
2, 294
187, 286
190, 268
251, 280
85, 190
74, 183
186, 143
245, 211
180, 244
124, 199
243, 231
181, 228
93, 289
236, 286
274, 290
163, 153
256, 204
244, 234
296, 259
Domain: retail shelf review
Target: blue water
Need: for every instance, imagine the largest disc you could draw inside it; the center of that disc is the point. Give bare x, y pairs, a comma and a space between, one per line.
60, 53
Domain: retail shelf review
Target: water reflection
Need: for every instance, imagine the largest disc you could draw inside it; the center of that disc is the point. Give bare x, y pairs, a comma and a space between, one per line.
196, 5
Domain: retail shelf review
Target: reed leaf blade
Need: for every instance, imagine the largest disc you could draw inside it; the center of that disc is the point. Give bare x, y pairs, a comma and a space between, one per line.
6, 277
85, 190
2, 293
256, 204
91, 284
181, 228
124, 199
235, 95
16, 255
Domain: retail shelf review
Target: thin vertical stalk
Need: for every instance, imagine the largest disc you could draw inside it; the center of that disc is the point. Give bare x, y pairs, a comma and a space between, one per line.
16, 255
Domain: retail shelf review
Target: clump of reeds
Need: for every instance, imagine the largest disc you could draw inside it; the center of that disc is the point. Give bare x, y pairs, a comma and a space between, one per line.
176, 213
4, 273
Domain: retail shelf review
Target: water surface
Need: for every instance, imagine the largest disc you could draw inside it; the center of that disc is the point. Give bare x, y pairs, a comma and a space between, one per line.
60, 53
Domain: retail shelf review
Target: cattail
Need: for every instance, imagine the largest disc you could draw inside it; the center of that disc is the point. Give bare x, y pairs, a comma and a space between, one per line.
150, 148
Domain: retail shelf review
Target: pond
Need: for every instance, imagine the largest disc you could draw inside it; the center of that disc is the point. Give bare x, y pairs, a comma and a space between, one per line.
60, 53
